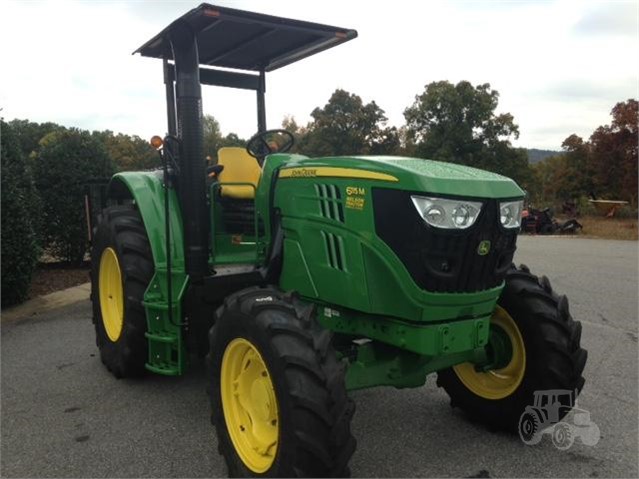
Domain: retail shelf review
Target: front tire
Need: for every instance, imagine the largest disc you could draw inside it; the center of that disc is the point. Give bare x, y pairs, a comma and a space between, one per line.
121, 269
278, 396
563, 436
553, 357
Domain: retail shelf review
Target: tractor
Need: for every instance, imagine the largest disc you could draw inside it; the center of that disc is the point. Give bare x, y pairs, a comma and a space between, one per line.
301, 279
545, 414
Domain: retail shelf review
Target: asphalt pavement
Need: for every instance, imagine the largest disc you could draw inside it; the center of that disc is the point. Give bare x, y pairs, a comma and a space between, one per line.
64, 415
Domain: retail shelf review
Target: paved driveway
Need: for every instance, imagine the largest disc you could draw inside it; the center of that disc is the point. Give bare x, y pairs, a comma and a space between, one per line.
64, 415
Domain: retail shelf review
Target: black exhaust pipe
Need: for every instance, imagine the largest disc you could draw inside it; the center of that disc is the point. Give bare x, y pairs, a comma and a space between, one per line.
192, 180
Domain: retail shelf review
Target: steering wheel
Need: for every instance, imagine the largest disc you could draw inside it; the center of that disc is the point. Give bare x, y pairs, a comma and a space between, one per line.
269, 141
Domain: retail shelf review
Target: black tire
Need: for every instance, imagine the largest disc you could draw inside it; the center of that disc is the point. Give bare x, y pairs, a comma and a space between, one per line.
554, 357
315, 439
547, 229
122, 229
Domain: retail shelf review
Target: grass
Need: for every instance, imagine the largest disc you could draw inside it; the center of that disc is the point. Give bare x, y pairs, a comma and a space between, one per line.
608, 228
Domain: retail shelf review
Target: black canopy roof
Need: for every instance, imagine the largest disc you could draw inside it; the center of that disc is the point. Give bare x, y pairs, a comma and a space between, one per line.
243, 40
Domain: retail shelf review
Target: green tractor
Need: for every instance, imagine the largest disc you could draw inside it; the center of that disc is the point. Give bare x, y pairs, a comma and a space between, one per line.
301, 279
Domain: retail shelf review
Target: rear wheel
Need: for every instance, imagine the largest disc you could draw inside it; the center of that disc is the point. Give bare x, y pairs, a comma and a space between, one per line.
534, 324
530, 428
121, 269
278, 397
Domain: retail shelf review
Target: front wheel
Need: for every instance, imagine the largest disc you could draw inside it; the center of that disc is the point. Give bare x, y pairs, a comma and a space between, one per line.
278, 396
562, 436
535, 346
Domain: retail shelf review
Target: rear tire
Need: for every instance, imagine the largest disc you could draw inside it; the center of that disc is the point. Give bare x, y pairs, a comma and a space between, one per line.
554, 357
314, 437
529, 428
122, 231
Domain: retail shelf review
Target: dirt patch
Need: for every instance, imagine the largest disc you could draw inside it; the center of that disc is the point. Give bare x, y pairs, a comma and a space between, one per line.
50, 277
609, 228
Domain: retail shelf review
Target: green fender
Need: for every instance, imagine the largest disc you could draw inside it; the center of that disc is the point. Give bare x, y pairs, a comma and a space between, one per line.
147, 190
167, 352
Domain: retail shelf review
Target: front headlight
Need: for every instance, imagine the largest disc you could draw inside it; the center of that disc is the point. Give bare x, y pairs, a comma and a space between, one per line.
447, 214
510, 213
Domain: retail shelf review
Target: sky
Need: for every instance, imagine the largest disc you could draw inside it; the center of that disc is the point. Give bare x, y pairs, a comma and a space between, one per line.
559, 66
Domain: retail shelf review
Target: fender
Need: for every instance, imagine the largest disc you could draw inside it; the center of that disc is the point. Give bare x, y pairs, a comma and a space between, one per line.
167, 351
147, 190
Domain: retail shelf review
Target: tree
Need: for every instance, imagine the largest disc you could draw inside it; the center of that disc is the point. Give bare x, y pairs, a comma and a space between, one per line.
458, 124
556, 180
605, 165
30, 133
128, 153
299, 133
19, 241
575, 178
212, 135
65, 160
213, 139
614, 153
347, 126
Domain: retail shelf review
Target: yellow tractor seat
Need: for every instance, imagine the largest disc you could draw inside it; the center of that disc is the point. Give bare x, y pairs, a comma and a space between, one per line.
239, 167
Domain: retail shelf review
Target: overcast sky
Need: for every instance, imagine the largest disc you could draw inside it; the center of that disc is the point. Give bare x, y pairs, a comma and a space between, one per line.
559, 66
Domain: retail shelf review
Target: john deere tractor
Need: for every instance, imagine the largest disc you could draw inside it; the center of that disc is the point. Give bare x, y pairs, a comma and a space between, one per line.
301, 279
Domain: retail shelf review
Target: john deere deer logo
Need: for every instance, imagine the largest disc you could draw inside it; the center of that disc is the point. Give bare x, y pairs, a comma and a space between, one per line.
484, 248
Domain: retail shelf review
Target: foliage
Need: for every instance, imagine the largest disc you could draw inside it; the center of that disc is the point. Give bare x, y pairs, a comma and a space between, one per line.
458, 124
20, 249
30, 133
214, 140
347, 126
535, 155
128, 153
605, 166
63, 163
613, 151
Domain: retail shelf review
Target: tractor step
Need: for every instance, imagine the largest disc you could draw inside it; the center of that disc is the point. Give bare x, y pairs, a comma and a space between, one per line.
167, 355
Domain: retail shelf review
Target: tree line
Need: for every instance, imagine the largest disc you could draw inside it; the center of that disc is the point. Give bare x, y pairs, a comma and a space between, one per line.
45, 166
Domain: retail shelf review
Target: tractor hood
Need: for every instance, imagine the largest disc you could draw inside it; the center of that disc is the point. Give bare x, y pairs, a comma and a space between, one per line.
413, 174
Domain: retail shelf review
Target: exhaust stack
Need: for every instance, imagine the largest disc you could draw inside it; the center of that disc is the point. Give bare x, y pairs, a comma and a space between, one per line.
192, 179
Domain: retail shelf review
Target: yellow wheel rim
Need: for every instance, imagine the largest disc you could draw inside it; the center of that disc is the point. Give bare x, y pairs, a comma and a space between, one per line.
111, 294
250, 405
499, 383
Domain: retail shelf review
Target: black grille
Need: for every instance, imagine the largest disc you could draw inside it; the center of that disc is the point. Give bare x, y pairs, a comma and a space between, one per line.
444, 260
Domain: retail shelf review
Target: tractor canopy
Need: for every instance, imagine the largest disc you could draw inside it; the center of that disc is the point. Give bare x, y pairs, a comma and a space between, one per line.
241, 40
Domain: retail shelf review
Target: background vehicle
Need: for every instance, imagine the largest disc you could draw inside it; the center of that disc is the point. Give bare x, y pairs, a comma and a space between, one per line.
303, 278
542, 222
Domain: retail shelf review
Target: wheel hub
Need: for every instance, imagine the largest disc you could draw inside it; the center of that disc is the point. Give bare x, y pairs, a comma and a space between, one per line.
111, 294
250, 405
507, 361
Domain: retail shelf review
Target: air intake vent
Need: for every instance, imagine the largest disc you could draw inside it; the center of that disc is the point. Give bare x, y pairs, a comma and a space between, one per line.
334, 251
330, 202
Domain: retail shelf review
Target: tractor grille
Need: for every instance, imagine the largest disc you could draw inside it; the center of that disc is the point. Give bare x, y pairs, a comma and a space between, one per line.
330, 202
444, 260
334, 251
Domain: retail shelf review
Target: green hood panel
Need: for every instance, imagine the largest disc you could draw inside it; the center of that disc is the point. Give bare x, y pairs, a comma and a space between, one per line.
414, 174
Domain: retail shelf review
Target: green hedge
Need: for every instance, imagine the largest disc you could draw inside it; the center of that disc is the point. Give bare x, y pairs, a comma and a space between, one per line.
19, 242
63, 163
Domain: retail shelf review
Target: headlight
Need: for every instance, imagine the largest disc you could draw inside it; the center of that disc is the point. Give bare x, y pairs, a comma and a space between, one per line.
510, 213
447, 214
